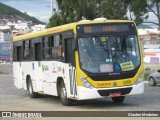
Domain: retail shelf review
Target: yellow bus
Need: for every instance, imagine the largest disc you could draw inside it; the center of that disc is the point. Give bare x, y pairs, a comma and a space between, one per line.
80, 61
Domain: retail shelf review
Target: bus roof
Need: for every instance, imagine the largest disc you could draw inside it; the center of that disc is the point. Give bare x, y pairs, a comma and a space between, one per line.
71, 26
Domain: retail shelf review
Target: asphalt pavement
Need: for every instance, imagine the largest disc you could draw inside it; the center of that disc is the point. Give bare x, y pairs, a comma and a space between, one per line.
13, 99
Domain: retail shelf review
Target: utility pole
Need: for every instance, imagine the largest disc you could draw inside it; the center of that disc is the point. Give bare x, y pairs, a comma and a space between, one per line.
51, 8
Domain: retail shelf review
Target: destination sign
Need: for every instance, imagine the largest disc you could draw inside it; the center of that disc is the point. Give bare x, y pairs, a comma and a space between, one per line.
101, 28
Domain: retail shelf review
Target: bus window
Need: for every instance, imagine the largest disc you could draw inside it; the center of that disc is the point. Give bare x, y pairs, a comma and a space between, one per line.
19, 55
51, 39
37, 50
56, 40
27, 50
68, 51
46, 53
57, 51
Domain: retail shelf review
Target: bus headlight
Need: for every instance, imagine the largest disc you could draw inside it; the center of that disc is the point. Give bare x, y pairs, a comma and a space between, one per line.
86, 83
139, 80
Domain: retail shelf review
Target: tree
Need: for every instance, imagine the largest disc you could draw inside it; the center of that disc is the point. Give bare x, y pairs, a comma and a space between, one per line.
154, 7
64, 14
76, 10
54, 20
113, 9
137, 10
73, 11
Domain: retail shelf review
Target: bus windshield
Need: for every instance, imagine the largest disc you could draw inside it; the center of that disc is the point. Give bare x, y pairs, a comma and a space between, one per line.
107, 54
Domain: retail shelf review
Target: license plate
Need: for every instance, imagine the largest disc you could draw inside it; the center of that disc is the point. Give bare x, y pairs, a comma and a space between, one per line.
115, 94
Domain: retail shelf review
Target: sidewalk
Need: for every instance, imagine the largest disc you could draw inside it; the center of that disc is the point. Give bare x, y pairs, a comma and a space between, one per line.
6, 68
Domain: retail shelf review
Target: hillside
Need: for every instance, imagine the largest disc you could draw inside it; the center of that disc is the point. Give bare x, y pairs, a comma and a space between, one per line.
7, 12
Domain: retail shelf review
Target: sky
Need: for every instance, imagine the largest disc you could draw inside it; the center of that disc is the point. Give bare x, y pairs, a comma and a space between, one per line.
36, 8
41, 9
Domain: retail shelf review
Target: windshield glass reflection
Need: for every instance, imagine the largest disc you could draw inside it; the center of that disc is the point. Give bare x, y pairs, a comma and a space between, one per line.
109, 54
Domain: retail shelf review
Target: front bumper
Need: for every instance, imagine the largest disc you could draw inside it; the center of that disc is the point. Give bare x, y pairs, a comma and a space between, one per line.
95, 93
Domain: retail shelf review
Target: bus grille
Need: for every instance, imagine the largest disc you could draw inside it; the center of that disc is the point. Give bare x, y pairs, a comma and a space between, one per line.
112, 77
123, 91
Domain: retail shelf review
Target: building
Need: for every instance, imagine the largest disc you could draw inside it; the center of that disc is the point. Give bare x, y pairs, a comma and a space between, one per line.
5, 46
148, 35
150, 39
10, 29
38, 27
1, 37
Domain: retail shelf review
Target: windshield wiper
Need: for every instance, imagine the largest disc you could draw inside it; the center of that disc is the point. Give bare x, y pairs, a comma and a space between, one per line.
100, 43
98, 40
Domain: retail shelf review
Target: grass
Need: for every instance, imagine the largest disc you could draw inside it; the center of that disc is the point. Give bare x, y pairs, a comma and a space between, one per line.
3, 73
146, 74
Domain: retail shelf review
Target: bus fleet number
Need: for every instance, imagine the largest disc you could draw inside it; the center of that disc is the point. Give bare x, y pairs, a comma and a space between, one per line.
127, 82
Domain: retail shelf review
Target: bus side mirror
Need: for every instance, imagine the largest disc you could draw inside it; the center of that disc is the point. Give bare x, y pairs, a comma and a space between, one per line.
74, 45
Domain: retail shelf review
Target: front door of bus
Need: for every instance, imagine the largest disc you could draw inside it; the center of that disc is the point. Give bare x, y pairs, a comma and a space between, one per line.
72, 71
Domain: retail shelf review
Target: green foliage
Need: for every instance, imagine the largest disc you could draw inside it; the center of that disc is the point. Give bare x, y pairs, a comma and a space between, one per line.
137, 9
154, 7
73, 11
76, 10
9, 12
54, 21
3, 72
146, 75
113, 9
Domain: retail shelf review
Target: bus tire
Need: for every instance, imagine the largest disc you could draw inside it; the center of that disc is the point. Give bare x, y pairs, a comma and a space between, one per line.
63, 95
118, 99
152, 81
30, 90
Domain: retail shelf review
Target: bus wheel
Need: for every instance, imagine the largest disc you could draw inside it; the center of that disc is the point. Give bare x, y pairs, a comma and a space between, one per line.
118, 99
63, 95
30, 89
152, 81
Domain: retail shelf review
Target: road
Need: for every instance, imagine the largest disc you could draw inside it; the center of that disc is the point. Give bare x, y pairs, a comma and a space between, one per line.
13, 99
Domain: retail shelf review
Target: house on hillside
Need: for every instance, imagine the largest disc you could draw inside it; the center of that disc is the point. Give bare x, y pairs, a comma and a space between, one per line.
150, 39
148, 35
